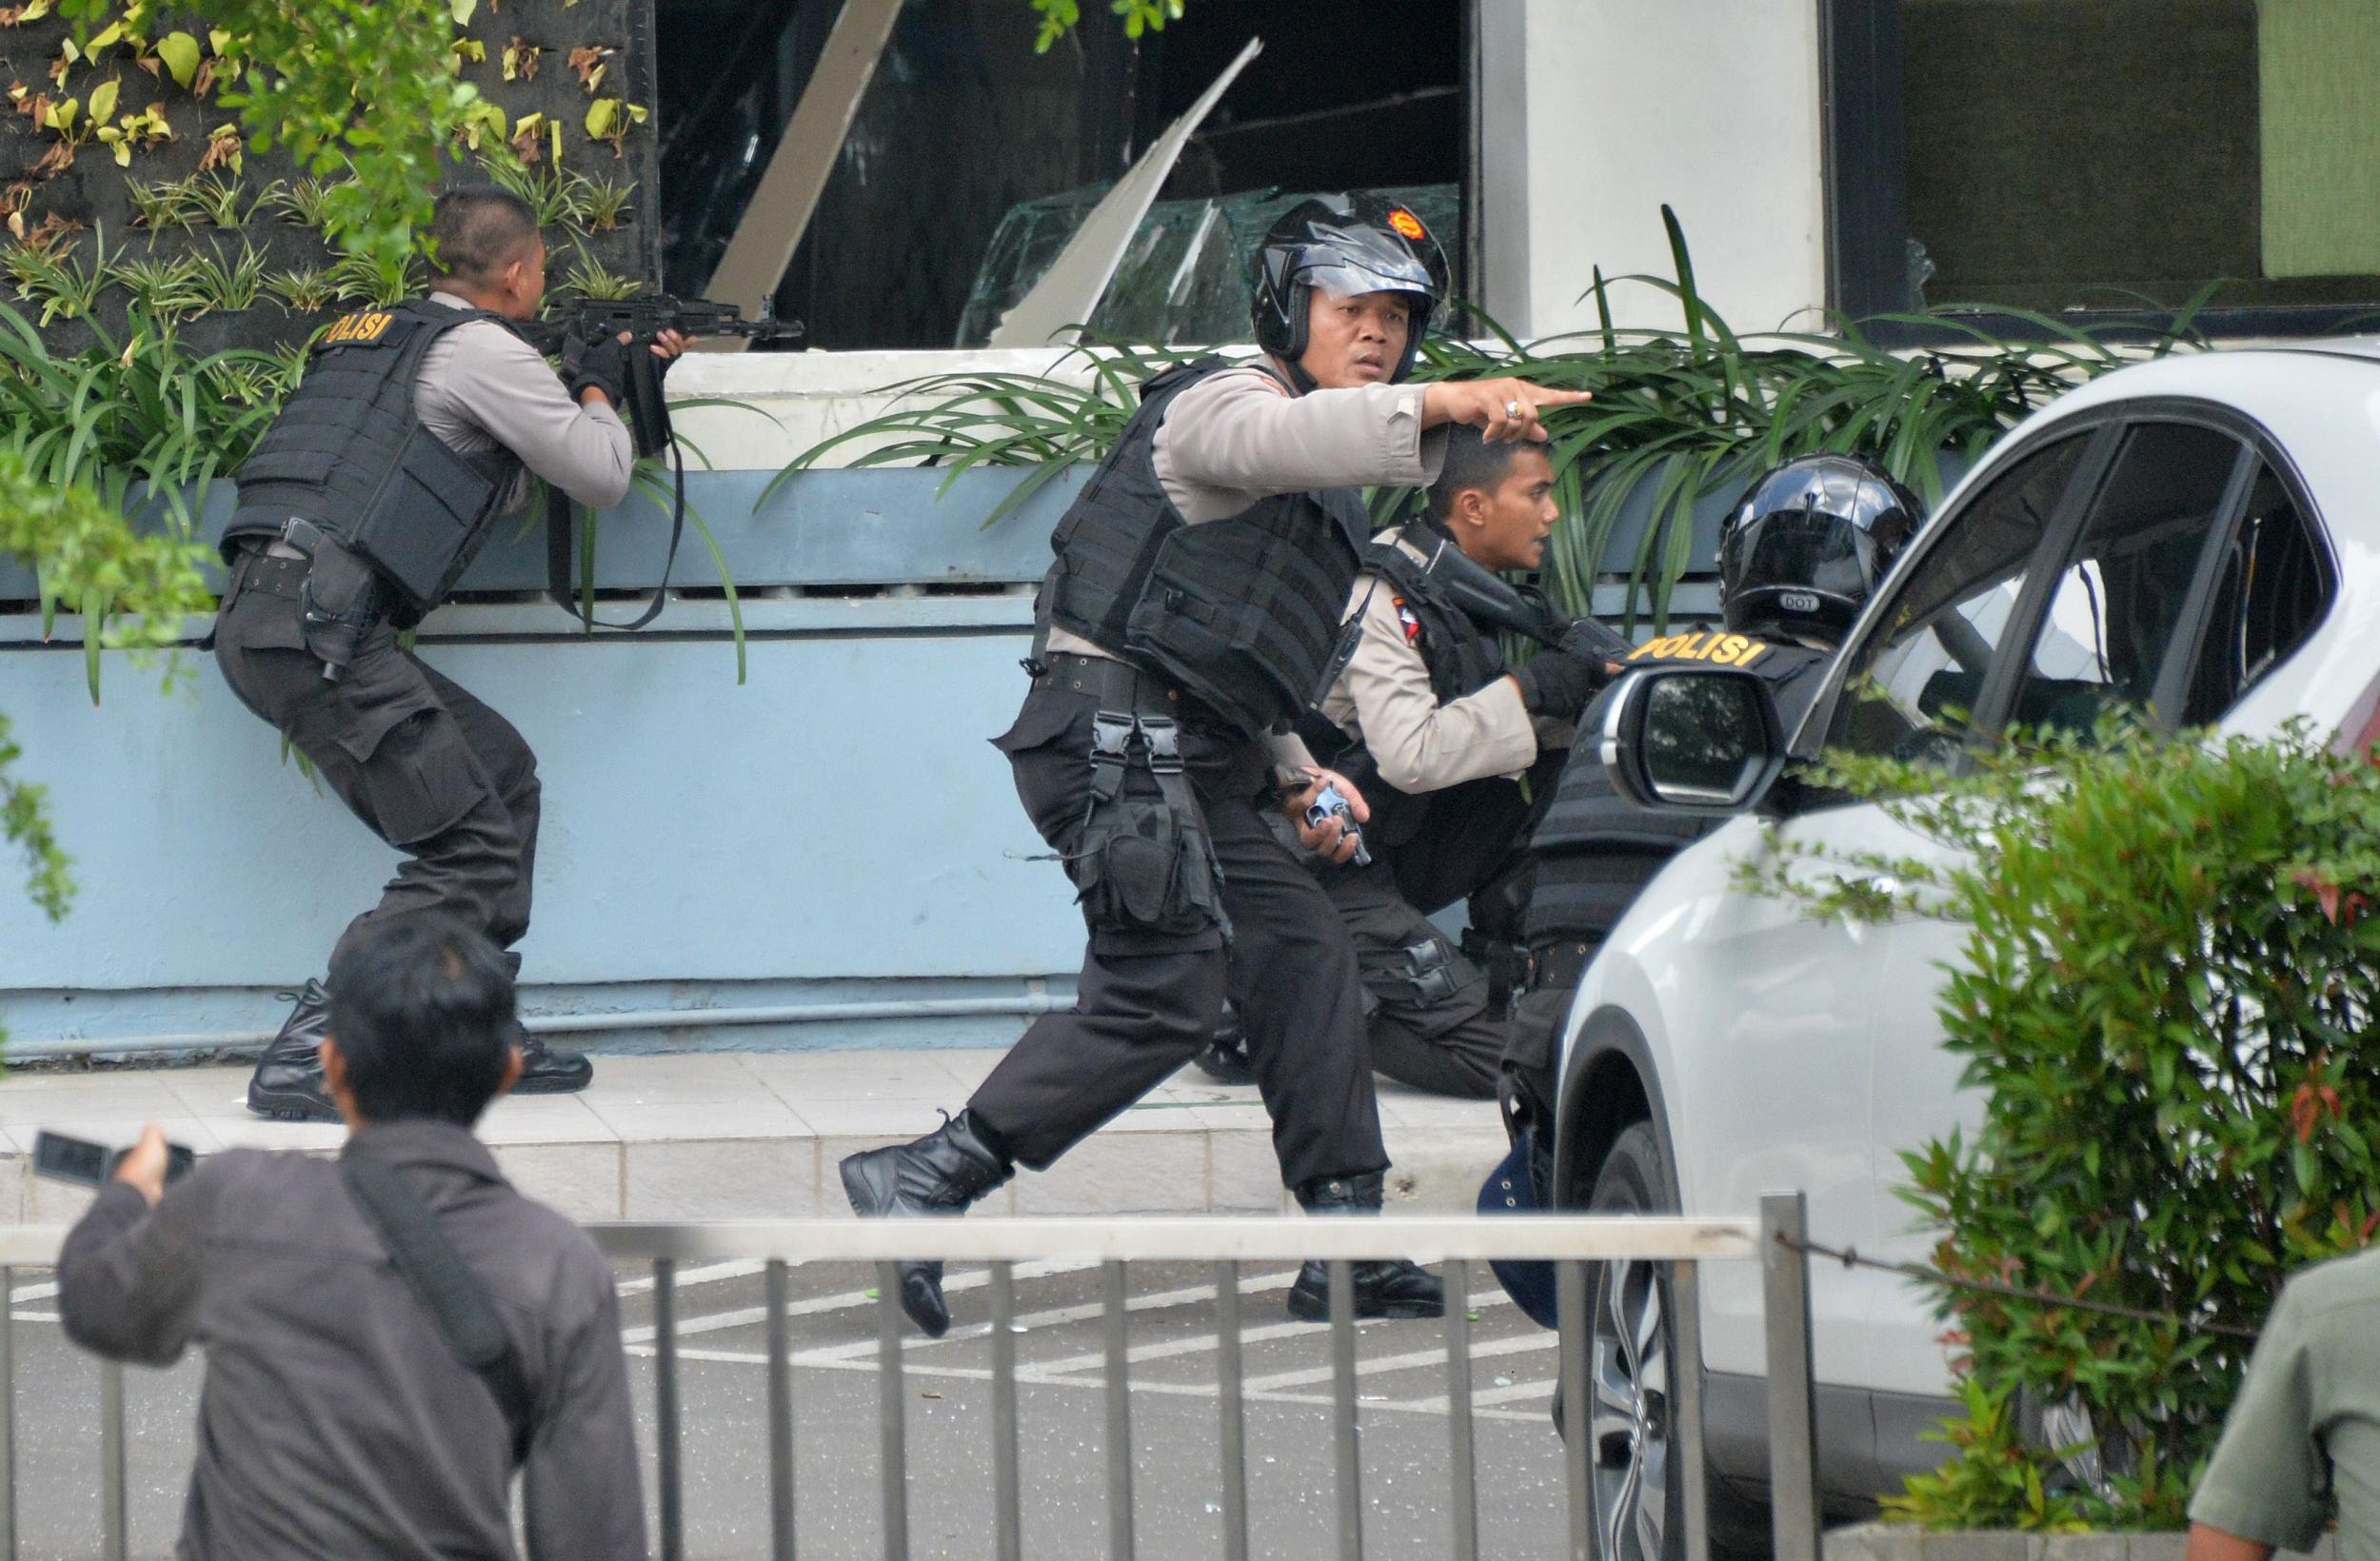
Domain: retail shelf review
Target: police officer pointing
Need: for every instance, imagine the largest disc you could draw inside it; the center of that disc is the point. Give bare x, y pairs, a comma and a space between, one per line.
413, 429
1192, 609
1428, 720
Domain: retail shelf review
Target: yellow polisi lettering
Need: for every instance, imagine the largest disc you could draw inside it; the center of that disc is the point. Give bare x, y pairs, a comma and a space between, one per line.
1704, 645
368, 326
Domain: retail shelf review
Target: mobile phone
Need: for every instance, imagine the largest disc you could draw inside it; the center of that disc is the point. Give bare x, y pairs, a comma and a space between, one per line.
63, 1157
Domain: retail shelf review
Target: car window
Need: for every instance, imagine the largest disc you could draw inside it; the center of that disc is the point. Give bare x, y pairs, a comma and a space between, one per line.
1915, 679
2119, 602
2273, 586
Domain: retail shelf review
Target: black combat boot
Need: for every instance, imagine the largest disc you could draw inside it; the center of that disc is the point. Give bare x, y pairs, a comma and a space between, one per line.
940, 1173
548, 1070
1391, 1288
287, 1082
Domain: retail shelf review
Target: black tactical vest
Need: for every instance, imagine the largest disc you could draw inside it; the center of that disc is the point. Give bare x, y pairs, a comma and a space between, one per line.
1462, 658
1244, 612
348, 454
1596, 850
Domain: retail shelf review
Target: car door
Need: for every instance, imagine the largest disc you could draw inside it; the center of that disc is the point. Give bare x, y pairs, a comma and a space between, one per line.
1774, 1011
2122, 623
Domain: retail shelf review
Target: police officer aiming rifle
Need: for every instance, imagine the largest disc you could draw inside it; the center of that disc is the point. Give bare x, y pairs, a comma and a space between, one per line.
414, 427
1196, 597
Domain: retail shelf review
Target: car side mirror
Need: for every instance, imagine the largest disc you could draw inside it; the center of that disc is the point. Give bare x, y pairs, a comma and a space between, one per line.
1698, 739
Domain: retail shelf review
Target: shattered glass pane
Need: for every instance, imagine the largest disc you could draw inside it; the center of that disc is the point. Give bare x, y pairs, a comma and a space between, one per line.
1184, 277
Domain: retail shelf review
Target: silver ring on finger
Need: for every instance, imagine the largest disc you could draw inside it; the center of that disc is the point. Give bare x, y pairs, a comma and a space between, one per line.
1512, 410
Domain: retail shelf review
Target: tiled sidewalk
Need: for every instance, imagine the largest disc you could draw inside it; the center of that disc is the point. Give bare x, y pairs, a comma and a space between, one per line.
754, 1135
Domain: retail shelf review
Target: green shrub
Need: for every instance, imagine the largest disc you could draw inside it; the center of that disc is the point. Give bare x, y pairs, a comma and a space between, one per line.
2164, 996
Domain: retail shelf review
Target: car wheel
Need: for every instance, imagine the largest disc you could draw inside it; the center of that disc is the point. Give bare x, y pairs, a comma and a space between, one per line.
1630, 1365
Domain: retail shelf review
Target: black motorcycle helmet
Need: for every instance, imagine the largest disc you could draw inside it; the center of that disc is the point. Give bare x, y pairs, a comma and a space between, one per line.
1356, 243
1808, 544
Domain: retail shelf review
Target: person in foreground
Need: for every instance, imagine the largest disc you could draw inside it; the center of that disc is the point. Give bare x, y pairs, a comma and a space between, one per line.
2302, 1444
1192, 609
335, 1419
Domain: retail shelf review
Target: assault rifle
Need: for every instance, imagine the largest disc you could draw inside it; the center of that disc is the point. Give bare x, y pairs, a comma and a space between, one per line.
591, 320
598, 318
1489, 599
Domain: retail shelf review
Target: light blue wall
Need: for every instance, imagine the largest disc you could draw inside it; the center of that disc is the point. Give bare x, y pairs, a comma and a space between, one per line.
836, 829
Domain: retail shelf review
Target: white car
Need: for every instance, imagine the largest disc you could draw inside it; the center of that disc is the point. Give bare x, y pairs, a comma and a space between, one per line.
2199, 536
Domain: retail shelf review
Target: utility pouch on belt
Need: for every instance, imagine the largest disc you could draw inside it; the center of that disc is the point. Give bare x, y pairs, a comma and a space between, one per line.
340, 599
425, 521
1142, 862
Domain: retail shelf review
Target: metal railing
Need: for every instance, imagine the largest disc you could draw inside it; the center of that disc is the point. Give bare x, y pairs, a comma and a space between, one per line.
1571, 1242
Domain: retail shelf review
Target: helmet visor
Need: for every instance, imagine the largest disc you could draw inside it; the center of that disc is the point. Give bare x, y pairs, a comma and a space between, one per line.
1804, 549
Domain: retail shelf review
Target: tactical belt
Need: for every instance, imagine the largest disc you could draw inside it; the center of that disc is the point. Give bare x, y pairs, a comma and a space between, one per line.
262, 571
1118, 684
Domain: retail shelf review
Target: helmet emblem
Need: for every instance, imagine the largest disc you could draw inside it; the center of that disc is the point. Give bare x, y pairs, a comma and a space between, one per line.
1797, 602
1407, 224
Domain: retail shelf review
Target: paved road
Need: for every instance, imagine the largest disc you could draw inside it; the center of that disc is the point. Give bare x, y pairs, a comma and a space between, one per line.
1062, 1415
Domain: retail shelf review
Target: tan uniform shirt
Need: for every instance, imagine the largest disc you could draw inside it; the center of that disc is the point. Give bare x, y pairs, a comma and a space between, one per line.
481, 386
1236, 438
1384, 700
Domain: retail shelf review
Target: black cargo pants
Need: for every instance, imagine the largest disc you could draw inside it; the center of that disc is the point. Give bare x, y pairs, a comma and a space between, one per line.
1430, 1023
427, 766
1146, 1002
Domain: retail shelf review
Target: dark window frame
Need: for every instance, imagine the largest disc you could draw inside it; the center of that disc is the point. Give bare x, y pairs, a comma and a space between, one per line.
1866, 179
2103, 430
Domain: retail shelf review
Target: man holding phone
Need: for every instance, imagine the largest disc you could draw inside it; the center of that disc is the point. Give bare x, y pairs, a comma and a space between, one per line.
336, 1419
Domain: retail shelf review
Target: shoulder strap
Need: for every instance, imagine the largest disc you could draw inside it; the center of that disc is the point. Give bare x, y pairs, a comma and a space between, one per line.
1175, 376
457, 1300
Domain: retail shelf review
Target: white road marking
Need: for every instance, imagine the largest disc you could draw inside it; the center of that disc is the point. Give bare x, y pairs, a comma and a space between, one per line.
1028, 1377
709, 1274
1084, 1312
1211, 1341
32, 1292
1482, 1397
1522, 1345
844, 1301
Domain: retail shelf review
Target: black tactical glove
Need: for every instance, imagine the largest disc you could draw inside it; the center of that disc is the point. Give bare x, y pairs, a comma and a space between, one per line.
1554, 682
603, 365
1593, 641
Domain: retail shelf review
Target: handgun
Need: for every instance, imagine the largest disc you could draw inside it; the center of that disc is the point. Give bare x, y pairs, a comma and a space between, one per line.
1329, 803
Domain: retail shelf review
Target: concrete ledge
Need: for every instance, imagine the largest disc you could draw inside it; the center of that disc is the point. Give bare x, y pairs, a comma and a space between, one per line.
1899, 1542
746, 1136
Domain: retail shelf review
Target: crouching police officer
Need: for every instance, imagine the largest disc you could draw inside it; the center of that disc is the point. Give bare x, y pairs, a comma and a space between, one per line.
1199, 580
413, 429
1425, 718
1798, 557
